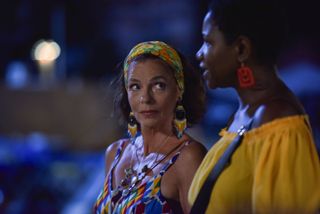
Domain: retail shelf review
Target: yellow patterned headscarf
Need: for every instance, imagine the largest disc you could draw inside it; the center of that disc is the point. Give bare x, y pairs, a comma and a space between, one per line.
161, 50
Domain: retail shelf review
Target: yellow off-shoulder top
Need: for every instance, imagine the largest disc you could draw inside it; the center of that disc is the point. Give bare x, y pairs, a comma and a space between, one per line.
276, 169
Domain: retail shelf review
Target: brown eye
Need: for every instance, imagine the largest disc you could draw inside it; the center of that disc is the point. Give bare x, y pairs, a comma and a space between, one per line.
134, 87
160, 86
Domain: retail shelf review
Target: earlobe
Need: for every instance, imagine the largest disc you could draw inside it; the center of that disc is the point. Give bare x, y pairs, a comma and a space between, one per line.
243, 48
244, 72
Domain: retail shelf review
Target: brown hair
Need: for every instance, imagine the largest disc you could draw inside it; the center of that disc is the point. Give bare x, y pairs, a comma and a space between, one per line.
193, 99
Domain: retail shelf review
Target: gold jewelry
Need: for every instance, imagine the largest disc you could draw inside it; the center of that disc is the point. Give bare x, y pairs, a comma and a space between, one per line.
180, 120
132, 125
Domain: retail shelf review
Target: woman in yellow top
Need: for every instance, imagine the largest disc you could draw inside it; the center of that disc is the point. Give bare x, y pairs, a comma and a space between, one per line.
276, 168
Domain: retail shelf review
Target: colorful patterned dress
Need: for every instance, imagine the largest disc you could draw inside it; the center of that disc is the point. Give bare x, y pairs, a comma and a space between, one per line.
145, 198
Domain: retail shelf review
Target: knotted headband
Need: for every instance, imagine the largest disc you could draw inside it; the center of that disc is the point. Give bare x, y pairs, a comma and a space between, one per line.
161, 50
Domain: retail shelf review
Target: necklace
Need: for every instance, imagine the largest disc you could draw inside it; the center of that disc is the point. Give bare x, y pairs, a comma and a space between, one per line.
132, 176
132, 186
129, 173
146, 168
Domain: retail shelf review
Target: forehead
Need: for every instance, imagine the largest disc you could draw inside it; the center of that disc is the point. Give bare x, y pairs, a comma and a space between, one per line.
210, 30
208, 25
148, 69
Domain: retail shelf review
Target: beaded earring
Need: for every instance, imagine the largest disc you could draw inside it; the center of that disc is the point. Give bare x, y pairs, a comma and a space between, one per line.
180, 120
132, 125
245, 76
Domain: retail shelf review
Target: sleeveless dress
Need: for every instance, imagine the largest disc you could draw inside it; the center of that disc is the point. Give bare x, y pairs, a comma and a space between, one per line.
145, 198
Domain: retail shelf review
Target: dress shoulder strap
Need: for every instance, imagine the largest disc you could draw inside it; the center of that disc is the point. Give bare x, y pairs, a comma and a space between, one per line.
118, 154
173, 159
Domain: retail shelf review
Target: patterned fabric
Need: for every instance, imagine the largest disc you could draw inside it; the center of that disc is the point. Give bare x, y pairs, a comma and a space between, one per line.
161, 50
146, 198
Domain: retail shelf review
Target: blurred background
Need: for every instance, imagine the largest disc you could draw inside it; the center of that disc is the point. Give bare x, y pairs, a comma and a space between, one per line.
57, 59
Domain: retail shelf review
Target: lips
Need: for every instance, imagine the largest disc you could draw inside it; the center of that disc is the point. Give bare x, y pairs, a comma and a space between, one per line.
206, 74
149, 113
204, 70
202, 66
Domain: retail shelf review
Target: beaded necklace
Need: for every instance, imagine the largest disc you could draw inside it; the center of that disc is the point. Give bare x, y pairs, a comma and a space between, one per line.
133, 177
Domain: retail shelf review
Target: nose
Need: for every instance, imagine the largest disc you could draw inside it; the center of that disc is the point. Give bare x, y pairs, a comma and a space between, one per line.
146, 97
199, 54
142, 99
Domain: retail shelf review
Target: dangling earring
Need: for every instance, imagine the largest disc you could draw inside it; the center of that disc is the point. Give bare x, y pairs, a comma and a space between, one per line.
180, 120
132, 125
245, 76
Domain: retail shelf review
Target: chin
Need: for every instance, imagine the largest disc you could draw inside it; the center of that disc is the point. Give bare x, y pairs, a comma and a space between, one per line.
150, 124
156, 125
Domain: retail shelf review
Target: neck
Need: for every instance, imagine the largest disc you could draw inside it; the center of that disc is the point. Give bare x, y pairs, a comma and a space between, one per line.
154, 139
266, 83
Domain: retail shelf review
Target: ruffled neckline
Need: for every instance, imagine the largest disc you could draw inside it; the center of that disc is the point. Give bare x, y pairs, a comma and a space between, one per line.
272, 125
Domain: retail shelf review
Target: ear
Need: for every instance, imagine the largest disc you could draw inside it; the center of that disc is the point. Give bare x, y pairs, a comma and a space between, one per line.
243, 47
179, 94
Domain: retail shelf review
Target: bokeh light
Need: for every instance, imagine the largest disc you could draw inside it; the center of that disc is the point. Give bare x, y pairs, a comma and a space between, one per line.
45, 51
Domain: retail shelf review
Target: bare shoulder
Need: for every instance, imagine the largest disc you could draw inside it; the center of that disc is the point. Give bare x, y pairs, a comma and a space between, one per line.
176, 182
193, 149
111, 152
112, 148
191, 155
278, 108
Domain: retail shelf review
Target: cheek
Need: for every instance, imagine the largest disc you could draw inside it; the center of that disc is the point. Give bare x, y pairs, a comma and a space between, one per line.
132, 101
210, 57
218, 59
169, 104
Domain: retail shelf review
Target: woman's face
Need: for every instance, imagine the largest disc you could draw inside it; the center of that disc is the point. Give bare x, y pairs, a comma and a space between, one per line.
217, 58
152, 93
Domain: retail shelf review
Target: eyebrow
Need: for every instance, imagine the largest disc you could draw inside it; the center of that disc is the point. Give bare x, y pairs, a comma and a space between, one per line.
205, 35
153, 79
158, 78
133, 80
